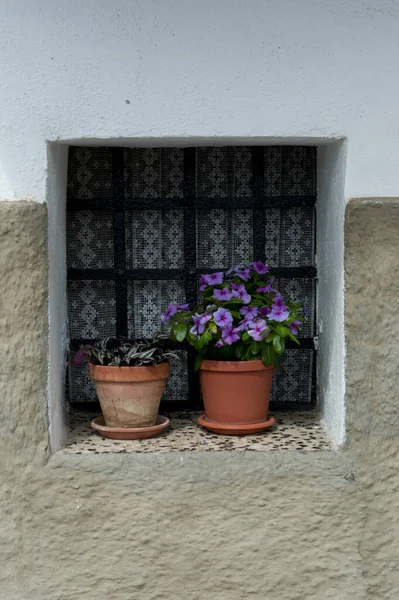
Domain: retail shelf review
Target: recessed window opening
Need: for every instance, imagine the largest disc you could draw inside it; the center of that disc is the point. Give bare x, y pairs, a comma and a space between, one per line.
143, 223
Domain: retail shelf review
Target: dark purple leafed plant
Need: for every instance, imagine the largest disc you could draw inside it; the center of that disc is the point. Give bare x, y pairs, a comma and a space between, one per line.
241, 316
111, 352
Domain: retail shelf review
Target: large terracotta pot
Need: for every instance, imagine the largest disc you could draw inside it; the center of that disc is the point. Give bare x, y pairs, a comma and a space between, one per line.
236, 392
129, 396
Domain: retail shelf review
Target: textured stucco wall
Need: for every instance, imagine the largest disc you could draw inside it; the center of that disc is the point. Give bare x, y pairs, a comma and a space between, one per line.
372, 380
286, 525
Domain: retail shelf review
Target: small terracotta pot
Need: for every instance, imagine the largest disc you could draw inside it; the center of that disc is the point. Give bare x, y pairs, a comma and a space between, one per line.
236, 392
129, 396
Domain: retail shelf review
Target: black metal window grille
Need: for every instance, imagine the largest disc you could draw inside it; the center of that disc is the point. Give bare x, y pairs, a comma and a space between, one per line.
143, 223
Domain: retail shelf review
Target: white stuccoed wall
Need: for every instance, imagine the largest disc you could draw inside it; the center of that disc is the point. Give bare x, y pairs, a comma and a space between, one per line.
304, 69
319, 68
330, 290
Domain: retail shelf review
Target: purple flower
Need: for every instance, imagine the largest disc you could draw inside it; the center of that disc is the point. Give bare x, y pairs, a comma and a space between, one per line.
198, 326
293, 326
243, 274
265, 288
80, 356
219, 344
212, 279
171, 310
230, 335
278, 301
223, 317
230, 271
242, 293
279, 313
182, 306
199, 322
260, 267
223, 294
279, 306
258, 330
265, 311
245, 322
205, 317
203, 283
249, 311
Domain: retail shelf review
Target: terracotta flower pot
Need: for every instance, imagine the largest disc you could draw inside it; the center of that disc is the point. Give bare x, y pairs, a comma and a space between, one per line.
129, 396
236, 392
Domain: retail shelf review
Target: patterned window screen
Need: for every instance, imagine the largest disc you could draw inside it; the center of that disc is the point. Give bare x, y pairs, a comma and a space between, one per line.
142, 223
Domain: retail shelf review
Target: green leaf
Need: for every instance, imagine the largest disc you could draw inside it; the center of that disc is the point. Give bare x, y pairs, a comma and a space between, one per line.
246, 337
191, 337
257, 303
180, 331
212, 327
270, 337
238, 351
207, 335
269, 356
278, 344
282, 331
226, 352
294, 338
236, 314
255, 347
198, 360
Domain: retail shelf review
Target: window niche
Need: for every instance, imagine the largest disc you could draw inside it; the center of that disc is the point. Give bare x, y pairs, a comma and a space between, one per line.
135, 226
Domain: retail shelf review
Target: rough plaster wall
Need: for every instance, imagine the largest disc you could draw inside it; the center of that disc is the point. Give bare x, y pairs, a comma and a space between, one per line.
286, 525
330, 290
372, 334
23, 333
215, 68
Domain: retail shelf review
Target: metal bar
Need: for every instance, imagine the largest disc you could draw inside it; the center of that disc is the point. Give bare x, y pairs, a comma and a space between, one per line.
77, 204
91, 274
258, 212
78, 342
291, 406
190, 260
307, 272
305, 344
119, 241
126, 274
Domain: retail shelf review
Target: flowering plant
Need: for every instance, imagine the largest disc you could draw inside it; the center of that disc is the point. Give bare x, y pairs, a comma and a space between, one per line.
241, 316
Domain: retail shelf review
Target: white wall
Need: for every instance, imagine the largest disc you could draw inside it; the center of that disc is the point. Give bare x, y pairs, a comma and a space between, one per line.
330, 263
58, 336
318, 68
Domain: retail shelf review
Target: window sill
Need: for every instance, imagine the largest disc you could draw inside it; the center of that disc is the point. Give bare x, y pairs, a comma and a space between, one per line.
300, 431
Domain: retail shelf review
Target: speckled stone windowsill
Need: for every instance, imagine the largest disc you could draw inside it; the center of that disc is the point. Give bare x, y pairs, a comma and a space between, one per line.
293, 431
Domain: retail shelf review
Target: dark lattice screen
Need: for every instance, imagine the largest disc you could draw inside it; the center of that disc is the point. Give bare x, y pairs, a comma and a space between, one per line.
144, 222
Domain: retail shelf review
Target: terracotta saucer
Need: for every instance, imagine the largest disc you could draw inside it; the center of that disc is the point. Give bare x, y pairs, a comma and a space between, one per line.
235, 428
127, 433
